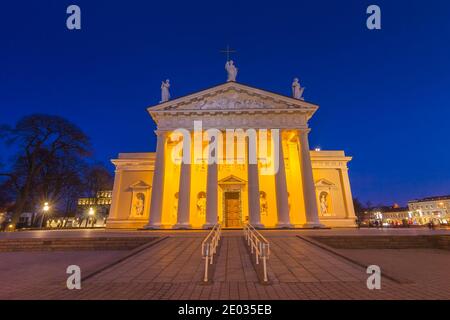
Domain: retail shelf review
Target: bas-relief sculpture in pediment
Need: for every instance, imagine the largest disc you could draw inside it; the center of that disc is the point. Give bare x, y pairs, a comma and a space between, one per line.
232, 101
234, 97
227, 101
233, 105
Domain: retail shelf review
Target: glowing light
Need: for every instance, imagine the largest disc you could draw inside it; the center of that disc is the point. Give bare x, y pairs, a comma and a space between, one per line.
46, 207
91, 211
317, 149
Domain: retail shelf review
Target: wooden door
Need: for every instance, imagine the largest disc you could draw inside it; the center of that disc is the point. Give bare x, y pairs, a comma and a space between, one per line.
233, 210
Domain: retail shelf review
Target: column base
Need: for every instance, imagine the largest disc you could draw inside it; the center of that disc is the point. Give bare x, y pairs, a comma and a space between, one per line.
257, 225
182, 226
154, 226
314, 225
284, 225
208, 225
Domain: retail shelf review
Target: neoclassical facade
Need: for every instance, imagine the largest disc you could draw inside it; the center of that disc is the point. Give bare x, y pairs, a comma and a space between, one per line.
268, 178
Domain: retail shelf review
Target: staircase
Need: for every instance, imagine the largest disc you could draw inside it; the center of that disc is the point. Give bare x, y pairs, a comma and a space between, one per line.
72, 244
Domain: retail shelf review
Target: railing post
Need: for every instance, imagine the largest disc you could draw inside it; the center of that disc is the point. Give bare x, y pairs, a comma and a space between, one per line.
209, 248
258, 246
205, 279
265, 269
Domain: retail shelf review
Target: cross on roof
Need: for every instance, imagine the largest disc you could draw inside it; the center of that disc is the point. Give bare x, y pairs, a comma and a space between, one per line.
228, 51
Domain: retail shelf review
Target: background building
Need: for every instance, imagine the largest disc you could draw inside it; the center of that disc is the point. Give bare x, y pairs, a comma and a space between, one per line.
394, 216
431, 209
93, 210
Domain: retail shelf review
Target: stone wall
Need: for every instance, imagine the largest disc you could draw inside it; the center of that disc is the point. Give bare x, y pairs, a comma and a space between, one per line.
386, 242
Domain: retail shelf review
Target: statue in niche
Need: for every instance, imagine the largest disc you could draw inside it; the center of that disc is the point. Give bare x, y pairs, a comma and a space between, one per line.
201, 204
231, 70
263, 203
165, 94
175, 207
139, 204
323, 203
297, 90
289, 202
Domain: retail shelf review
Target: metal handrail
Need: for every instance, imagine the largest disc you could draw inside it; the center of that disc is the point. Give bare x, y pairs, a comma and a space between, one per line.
259, 246
209, 247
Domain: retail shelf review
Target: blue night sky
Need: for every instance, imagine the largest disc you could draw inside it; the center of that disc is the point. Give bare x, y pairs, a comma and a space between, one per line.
383, 95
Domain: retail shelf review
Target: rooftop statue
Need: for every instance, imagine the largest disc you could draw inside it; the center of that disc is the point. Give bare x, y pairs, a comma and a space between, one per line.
231, 70
297, 90
165, 94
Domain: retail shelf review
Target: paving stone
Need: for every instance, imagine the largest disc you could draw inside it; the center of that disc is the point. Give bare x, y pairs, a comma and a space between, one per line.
173, 269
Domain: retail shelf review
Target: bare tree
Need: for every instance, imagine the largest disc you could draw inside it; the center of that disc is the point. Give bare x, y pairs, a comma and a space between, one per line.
44, 141
97, 178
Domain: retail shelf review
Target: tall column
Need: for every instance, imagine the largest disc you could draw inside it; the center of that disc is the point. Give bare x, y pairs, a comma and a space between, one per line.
211, 193
284, 220
114, 211
253, 185
309, 189
184, 193
158, 183
350, 214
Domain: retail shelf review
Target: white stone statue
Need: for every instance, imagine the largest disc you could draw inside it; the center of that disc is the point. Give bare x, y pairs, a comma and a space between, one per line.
297, 90
201, 204
263, 203
139, 206
165, 94
323, 203
231, 70
175, 207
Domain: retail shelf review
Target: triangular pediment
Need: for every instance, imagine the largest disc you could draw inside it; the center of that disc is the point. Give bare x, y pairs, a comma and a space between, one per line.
324, 183
233, 97
232, 180
139, 185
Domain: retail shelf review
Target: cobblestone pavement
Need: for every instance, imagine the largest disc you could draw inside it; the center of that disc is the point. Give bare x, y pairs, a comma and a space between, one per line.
173, 269
428, 268
21, 272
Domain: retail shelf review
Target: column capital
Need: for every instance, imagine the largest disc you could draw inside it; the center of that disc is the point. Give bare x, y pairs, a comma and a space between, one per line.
160, 132
300, 132
304, 131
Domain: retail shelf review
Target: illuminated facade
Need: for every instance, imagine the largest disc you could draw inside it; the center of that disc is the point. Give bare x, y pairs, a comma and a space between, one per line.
431, 209
304, 188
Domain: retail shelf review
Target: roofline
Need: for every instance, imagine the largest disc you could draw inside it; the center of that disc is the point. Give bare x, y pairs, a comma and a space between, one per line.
198, 93
429, 199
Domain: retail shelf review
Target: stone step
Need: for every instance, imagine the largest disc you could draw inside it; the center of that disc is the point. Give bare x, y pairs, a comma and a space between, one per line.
62, 244
386, 242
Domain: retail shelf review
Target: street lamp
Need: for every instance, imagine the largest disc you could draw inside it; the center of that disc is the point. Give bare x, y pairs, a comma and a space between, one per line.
45, 209
91, 214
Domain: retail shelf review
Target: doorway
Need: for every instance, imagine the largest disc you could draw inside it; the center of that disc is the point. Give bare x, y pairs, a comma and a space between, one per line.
232, 206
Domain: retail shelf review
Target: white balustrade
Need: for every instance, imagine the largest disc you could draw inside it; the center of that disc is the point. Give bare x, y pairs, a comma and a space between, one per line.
259, 246
209, 248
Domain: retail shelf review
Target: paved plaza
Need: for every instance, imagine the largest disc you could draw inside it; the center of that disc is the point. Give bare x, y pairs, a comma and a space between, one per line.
172, 268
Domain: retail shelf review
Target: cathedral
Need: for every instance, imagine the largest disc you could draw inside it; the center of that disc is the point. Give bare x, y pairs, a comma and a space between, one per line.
232, 154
